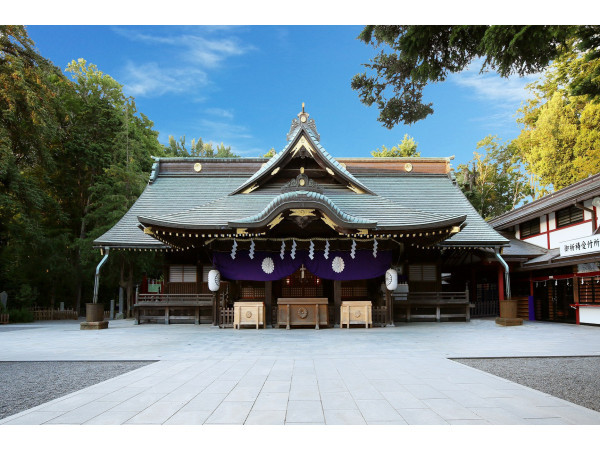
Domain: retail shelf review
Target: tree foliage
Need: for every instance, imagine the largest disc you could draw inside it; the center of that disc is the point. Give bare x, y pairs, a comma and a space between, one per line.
197, 148
406, 148
560, 139
75, 154
415, 55
494, 181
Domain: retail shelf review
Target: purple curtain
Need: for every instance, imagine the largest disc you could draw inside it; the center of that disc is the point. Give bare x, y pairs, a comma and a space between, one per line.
267, 266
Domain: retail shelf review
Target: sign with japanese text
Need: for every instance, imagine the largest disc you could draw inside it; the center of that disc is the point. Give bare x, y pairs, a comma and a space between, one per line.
580, 246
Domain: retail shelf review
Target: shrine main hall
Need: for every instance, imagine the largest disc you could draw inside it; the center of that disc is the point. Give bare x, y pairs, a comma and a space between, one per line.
307, 239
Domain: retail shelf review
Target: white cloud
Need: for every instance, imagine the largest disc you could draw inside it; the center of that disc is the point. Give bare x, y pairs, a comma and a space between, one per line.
185, 64
151, 80
502, 96
224, 130
220, 112
488, 86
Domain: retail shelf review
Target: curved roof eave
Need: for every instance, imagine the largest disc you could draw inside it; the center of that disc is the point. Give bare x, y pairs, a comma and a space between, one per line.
302, 199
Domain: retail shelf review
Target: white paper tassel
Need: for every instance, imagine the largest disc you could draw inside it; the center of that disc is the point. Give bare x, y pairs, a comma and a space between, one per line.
282, 253
233, 249
374, 248
353, 249
251, 253
293, 252
326, 252
311, 250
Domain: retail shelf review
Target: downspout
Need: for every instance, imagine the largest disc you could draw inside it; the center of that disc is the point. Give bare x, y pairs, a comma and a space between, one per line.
97, 276
506, 271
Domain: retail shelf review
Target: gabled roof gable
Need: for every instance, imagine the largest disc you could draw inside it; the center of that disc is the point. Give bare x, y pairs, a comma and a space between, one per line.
303, 143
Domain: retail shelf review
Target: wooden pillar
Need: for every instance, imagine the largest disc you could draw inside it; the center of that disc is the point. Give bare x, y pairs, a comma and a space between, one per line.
473, 290
500, 283
576, 297
337, 300
269, 301
215, 307
389, 306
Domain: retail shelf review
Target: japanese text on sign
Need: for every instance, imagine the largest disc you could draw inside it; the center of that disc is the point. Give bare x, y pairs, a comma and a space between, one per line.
580, 246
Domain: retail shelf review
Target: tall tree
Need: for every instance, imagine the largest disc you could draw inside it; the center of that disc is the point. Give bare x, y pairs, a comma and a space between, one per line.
416, 55
406, 148
494, 181
198, 148
560, 139
32, 238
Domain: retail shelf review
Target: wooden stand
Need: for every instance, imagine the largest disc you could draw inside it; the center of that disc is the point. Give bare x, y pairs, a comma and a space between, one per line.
302, 311
249, 313
356, 313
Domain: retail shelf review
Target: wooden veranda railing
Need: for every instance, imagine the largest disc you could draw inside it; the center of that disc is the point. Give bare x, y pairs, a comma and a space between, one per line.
226, 318
379, 315
164, 299
432, 305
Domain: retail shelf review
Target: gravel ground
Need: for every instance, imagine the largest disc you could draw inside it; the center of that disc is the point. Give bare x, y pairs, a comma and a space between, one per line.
575, 379
24, 385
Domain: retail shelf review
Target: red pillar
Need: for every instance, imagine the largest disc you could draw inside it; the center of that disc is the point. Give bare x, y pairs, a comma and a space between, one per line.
530, 285
500, 283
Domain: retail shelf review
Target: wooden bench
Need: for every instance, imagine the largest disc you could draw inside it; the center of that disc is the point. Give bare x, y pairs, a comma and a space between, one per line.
440, 302
186, 306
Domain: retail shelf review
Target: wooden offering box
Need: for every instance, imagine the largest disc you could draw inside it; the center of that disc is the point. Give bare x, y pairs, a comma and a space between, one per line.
249, 313
356, 313
302, 311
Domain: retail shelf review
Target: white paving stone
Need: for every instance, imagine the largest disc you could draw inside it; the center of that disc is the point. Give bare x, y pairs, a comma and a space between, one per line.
399, 375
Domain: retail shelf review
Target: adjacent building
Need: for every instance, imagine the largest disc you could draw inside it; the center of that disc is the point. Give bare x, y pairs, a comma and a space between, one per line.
554, 253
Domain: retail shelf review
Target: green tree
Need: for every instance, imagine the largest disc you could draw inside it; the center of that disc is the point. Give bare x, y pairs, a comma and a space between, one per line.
560, 139
178, 148
270, 153
416, 55
406, 148
494, 181
32, 129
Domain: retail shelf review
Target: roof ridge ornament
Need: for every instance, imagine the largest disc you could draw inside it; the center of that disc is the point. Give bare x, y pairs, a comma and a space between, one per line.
303, 121
302, 183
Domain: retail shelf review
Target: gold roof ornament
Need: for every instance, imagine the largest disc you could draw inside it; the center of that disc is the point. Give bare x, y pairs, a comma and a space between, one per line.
303, 116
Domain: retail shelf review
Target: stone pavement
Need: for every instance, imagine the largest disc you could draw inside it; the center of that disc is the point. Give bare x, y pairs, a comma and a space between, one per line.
392, 375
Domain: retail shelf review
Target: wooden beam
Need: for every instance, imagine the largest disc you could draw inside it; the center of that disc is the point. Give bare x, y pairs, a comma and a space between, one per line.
268, 301
337, 301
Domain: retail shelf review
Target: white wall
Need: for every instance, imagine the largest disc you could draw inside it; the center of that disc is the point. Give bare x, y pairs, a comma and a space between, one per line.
540, 240
572, 232
563, 234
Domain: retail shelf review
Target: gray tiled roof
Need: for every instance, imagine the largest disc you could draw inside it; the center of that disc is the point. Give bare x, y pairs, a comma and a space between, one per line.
579, 191
545, 258
166, 195
439, 195
352, 207
401, 199
522, 248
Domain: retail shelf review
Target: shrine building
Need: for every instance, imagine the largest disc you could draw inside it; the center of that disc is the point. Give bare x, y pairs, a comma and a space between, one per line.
303, 233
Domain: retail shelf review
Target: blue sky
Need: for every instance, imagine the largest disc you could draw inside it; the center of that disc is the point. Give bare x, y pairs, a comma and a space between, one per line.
242, 85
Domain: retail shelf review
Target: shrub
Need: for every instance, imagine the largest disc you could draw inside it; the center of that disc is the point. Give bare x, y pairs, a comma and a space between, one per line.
20, 315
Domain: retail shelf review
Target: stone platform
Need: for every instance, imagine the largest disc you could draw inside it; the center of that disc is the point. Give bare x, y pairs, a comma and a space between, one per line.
503, 321
94, 325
